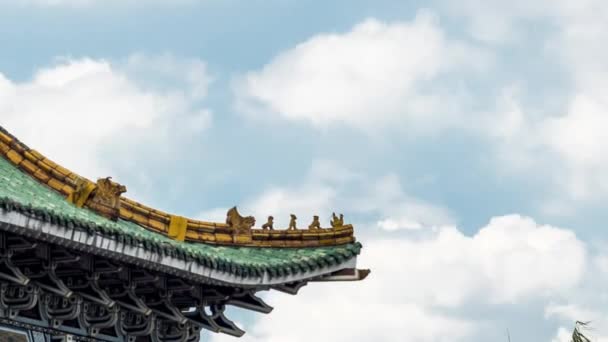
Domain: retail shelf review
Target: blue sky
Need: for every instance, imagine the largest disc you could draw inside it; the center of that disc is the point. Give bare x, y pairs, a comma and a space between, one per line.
463, 139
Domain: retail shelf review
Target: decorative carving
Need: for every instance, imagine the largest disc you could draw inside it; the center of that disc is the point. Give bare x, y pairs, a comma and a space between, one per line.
292, 222
239, 223
269, 224
106, 198
108, 192
337, 222
315, 223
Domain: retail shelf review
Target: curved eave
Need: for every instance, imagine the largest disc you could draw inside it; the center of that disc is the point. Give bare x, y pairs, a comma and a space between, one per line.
62, 181
69, 235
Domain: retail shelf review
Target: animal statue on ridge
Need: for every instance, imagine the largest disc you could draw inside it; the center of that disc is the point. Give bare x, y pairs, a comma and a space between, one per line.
292, 222
315, 223
336, 221
269, 224
239, 223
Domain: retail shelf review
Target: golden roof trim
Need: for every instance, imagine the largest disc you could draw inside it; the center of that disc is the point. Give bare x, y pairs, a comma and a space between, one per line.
104, 197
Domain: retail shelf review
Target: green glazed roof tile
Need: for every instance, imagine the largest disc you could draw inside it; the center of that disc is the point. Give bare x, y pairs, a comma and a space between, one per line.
19, 192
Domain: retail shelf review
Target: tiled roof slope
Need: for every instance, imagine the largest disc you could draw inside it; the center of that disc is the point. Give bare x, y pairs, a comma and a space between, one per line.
64, 182
21, 193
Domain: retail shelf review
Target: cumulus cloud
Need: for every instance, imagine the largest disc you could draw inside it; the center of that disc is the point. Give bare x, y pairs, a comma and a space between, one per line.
587, 303
415, 281
375, 75
561, 134
487, 264
567, 146
94, 115
421, 282
399, 210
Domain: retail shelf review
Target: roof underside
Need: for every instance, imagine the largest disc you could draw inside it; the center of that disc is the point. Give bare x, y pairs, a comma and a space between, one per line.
22, 194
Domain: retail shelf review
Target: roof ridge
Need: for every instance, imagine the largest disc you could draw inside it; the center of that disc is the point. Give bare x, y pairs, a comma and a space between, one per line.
237, 231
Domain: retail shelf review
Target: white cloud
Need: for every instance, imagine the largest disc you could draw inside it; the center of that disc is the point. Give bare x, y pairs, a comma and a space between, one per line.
376, 75
576, 135
486, 265
420, 283
561, 136
93, 115
586, 303
344, 314
399, 210
562, 335
419, 286
568, 146
579, 139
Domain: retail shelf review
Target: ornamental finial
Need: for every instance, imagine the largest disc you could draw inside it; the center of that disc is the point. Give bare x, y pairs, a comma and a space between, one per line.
292, 222
315, 223
105, 198
337, 222
269, 224
238, 222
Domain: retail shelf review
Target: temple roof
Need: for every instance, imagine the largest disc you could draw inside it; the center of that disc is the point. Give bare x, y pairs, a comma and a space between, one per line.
22, 194
105, 198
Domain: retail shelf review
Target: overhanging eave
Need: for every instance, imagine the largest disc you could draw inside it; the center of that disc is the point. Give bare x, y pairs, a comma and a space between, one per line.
98, 243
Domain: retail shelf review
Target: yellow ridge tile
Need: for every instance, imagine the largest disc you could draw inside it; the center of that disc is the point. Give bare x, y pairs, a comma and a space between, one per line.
29, 156
192, 235
5, 138
55, 184
126, 213
42, 176
140, 210
294, 243
242, 239
162, 219
62, 170
311, 243
201, 229
67, 190
45, 166
58, 175
310, 237
344, 240
223, 238
14, 157
223, 230
327, 242
36, 154
207, 237
50, 163
139, 219
29, 167
15, 145
4, 148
